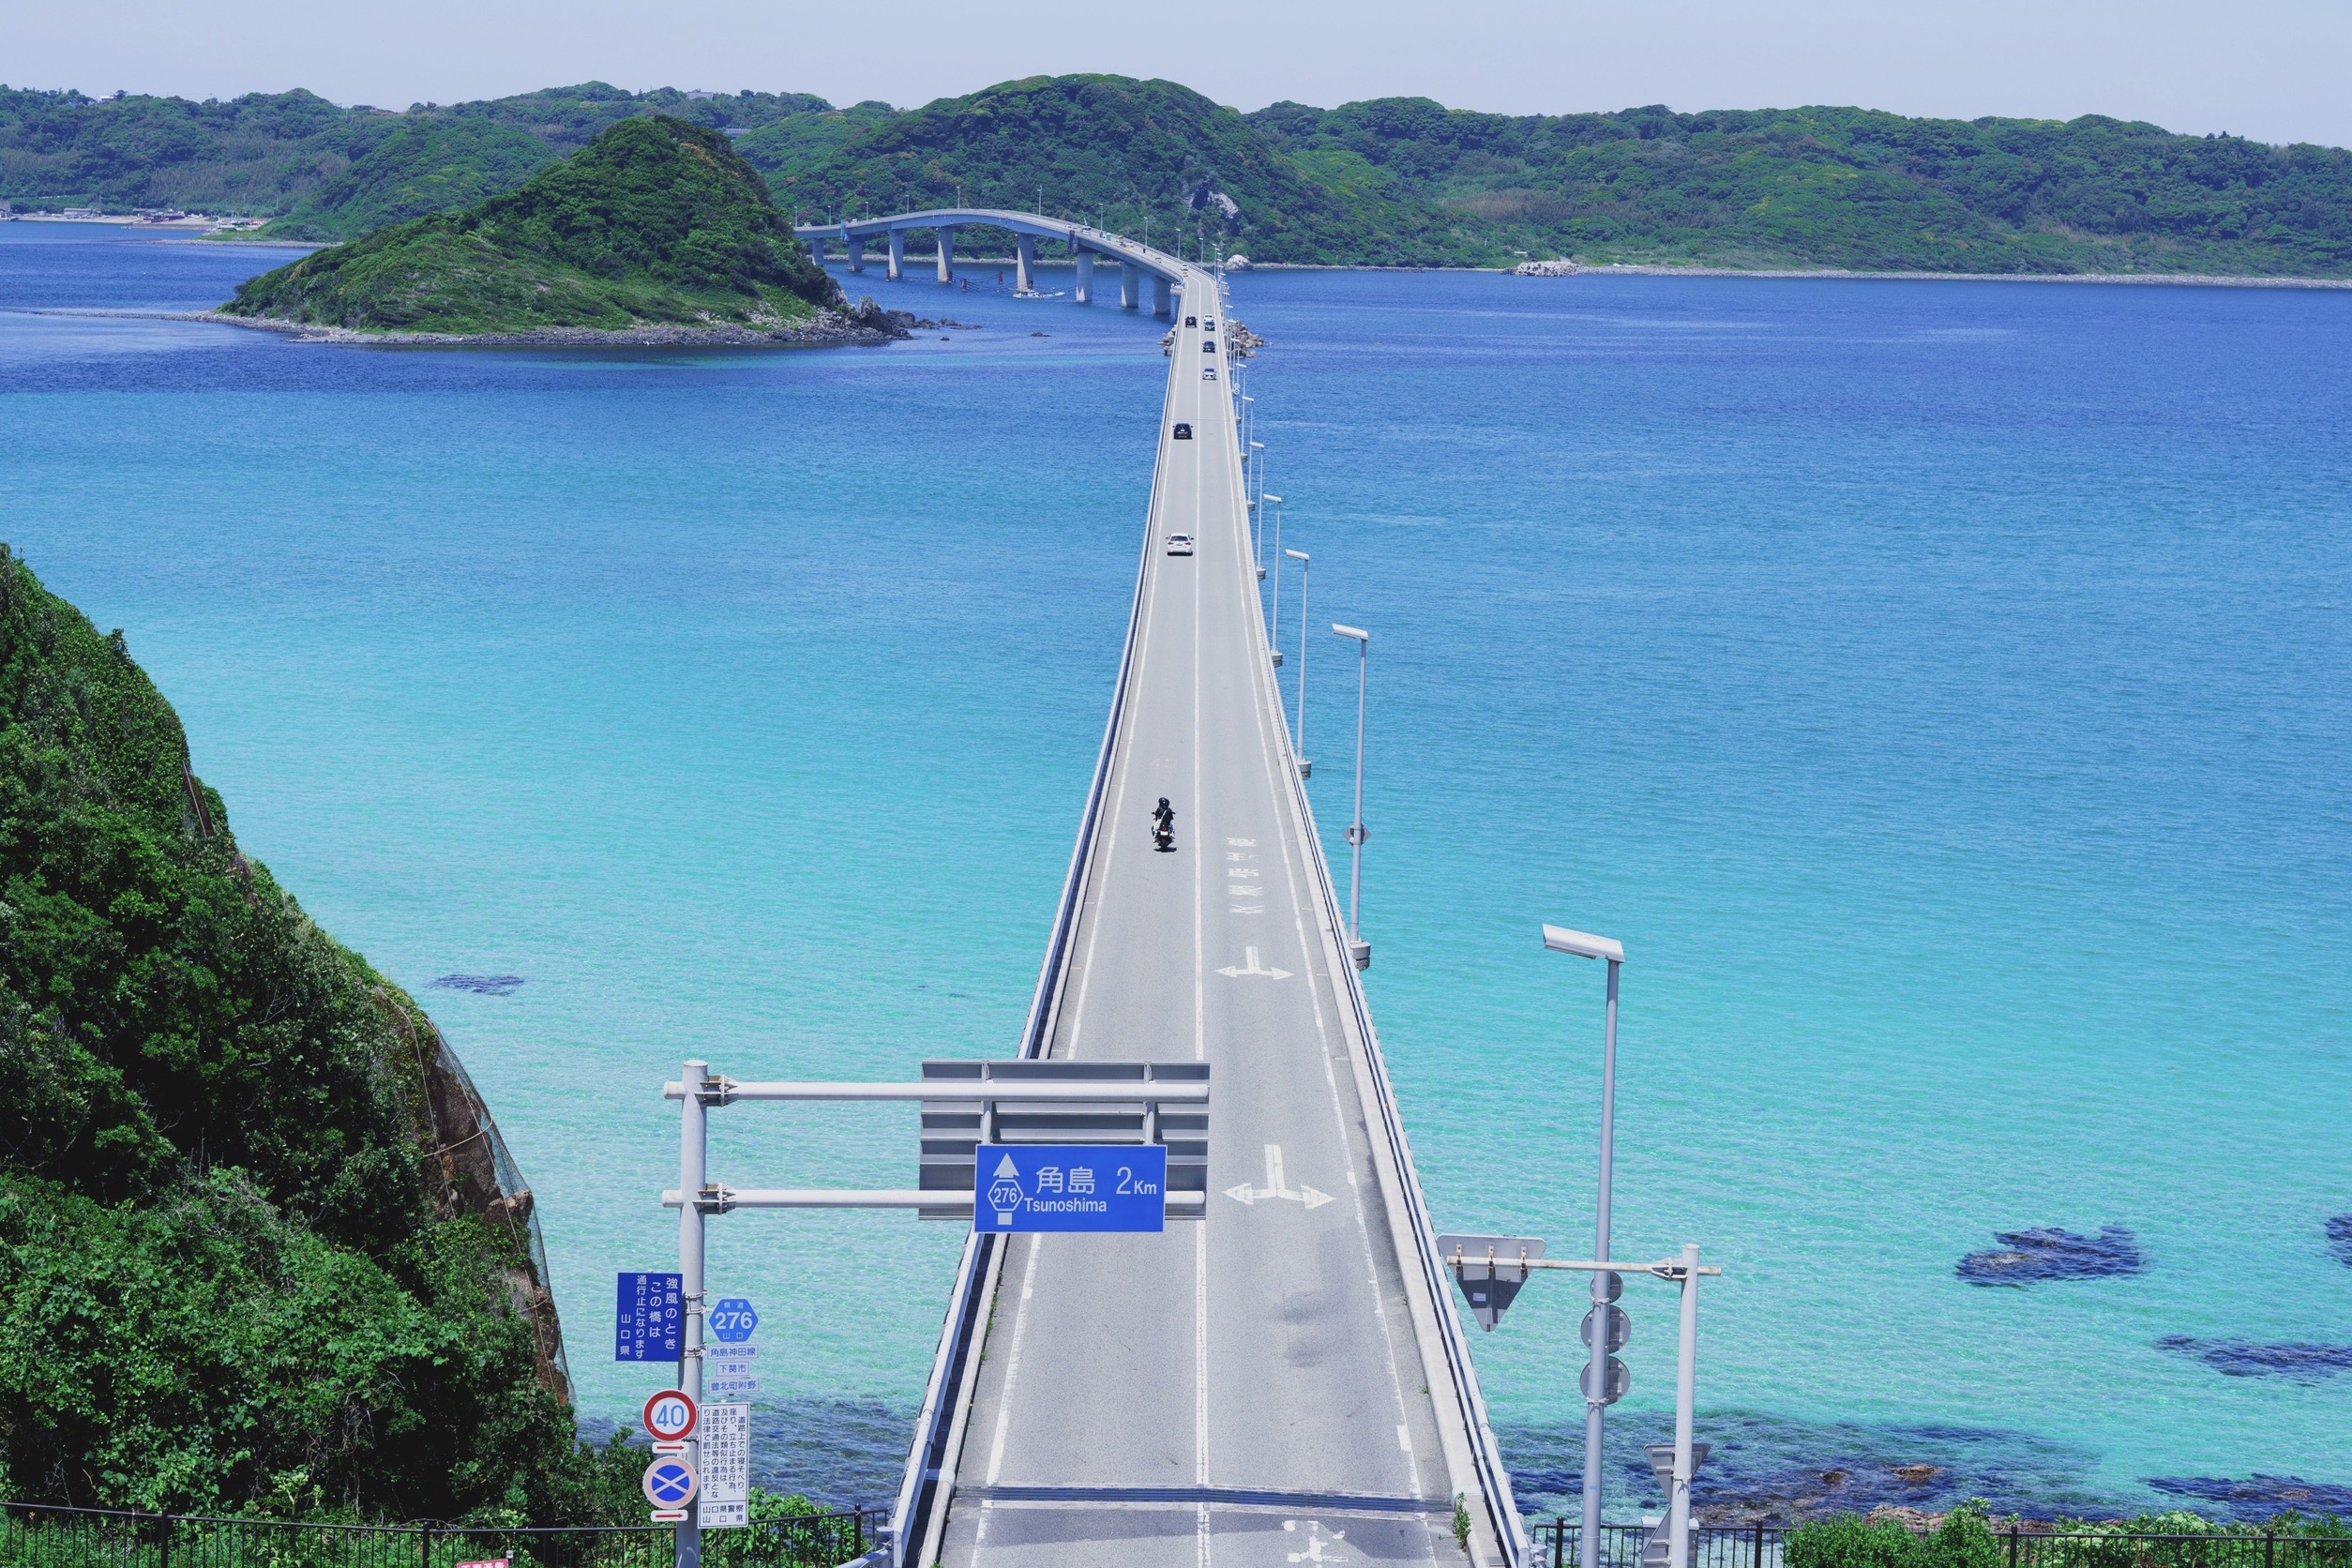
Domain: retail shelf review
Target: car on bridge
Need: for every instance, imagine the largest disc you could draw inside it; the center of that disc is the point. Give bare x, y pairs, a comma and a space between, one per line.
1183, 431
1209, 345
1180, 544
1208, 372
1192, 320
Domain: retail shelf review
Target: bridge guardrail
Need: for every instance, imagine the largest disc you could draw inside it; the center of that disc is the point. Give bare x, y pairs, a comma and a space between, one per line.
916, 1521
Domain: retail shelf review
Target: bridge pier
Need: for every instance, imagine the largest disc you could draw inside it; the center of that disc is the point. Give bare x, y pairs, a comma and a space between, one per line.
856, 246
1025, 262
1160, 306
946, 254
1085, 292
1130, 285
817, 248
897, 254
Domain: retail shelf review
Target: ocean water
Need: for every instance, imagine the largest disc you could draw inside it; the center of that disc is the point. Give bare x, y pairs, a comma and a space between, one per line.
1940, 688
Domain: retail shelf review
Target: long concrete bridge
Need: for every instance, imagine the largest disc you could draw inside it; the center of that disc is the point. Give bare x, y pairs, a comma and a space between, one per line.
1286, 1382
1139, 266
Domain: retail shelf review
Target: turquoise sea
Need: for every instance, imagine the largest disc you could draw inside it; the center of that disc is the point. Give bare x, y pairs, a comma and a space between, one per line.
1944, 689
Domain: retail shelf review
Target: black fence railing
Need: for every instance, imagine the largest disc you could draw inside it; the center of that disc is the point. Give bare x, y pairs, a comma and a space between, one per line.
42, 1535
1557, 1544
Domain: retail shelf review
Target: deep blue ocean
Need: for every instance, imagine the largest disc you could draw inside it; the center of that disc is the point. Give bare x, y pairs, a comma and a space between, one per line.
1944, 689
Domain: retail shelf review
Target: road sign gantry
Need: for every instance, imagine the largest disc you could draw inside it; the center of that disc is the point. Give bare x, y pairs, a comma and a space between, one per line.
1033, 1115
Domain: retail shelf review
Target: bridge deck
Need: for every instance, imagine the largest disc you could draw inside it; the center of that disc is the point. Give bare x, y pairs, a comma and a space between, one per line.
1242, 1389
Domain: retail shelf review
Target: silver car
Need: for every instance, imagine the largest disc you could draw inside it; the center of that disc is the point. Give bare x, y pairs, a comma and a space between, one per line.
1180, 544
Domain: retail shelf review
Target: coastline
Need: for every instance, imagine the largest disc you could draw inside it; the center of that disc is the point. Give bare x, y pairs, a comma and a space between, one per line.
828, 330
2144, 279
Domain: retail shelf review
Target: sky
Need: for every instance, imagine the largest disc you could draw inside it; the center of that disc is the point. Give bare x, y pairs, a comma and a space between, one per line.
2273, 69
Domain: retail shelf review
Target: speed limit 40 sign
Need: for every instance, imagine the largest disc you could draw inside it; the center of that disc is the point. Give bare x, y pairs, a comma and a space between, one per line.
669, 1416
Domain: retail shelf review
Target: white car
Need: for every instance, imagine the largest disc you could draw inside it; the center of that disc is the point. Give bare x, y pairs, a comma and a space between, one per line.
1180, 544
1208, 372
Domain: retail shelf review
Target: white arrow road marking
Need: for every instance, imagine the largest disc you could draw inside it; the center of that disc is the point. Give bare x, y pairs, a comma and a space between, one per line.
1316, 1542
1310, 1197
1254, 968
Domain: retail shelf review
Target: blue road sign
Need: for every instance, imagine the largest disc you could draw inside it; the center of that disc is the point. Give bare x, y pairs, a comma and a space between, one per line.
649, 1318
732, 1320
670, 1483
1072, 1186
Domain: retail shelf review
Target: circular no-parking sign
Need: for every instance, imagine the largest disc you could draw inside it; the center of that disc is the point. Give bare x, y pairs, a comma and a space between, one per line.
670, 1483
670, 1415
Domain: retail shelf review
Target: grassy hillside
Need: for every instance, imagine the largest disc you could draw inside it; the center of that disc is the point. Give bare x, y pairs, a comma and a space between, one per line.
267, 154
423, 166
655, 222
1392, 181
231, 1276
1097, 147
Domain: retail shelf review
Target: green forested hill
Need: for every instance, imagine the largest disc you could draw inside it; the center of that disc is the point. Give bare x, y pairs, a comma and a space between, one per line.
1392, 181
238, 1268
655, 222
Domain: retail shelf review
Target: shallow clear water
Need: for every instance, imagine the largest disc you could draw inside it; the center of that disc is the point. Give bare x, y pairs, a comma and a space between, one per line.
1940, 688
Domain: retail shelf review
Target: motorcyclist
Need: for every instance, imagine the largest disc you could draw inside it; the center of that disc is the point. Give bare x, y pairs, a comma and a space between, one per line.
1164, 825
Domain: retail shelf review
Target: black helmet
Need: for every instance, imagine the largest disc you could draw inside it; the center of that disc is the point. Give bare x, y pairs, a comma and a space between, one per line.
1163, 803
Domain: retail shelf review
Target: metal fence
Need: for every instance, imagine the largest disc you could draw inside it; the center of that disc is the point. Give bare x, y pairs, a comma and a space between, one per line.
39, 1535
1761, 1546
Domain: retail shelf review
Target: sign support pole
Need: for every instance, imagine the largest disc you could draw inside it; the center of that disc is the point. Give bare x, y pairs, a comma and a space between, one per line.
1685, 1390
693, 1162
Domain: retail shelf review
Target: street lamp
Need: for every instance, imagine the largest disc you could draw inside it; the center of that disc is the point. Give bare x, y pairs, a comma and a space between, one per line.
1258, 450
1277, 588
1306, 769
1596, 1390
1359, 950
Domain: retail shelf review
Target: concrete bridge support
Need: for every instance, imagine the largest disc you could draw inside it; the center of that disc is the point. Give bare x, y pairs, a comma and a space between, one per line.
947, 254
1025, 262
1160, 306
856, 246
1085, 292
1130, 285
817, 249
897, 254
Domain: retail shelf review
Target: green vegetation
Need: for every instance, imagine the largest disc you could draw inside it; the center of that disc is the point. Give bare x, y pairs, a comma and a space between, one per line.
267, 154
1391, 181
655, 222
1968, 1538
231, 1278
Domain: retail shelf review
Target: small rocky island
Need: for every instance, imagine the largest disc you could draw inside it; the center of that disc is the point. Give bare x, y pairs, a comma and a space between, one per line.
655, 233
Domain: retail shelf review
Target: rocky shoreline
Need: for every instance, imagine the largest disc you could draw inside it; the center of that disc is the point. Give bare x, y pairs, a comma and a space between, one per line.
868, 325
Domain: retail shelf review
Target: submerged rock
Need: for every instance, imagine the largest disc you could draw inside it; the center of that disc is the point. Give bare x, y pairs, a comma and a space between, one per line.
2340, 1239
2050, 1253
2259, 1497
2239, 1358
480, 985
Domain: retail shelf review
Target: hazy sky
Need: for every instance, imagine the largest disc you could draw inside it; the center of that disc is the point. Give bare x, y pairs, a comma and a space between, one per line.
2275, 70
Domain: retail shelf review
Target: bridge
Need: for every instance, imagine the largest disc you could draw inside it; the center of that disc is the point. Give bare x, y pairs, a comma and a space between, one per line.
1287, 1382
1139, 264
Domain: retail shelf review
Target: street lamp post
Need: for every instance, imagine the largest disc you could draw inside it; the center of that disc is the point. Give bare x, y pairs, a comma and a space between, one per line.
1277, 569
1306, 769
1257, 456
1359, 950
1596, 1392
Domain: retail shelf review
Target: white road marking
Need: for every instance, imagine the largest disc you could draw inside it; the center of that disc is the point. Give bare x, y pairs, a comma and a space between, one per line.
1255, 967
1405, 1433
1013, 1365
1244, 843
1276, 1187
1316, 1542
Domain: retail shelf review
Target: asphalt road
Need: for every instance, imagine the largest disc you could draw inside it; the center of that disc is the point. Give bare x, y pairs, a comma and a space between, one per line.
1248, 1389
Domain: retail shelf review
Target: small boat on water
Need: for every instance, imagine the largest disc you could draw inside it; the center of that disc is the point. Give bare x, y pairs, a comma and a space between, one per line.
1036, 294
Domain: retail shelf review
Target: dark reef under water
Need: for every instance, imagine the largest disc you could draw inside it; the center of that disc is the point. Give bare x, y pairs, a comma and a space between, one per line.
481, 984
2258, 1496
2339, 1238
2239, 1358
2025, 1256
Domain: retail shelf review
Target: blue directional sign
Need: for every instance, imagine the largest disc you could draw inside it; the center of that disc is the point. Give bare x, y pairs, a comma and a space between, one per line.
732, 1320
649, 1318
1072, 1186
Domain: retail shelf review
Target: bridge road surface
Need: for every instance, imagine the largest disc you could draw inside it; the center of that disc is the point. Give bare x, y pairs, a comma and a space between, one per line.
1132, 1388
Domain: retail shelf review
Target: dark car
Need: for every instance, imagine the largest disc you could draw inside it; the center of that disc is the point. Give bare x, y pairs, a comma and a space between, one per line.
1192, 320
1183, 431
